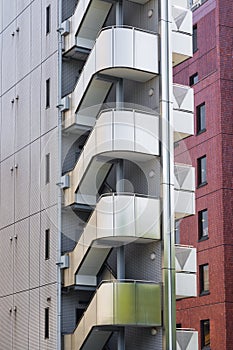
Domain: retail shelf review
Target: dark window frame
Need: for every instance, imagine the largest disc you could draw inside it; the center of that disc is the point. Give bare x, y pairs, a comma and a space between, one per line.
177, 231
193, 79
204, 286
201, 118
46, 323
202, 171
48, 19
47, 168
202, 218
47, 93
47, 244
205, 339
195, 43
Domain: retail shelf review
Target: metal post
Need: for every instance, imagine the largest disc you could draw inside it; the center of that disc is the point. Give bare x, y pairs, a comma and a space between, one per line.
167, 154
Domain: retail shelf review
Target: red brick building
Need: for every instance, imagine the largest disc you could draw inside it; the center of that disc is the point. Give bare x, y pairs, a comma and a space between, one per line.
210, 72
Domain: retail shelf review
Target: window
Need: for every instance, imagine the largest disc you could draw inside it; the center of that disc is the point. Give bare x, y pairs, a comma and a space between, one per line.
48, 19
47, 168
204, 279
46, 323
177, 232
47, 244
203, 224
205, 334
195, 48
201, 118
47, 93
178, 325
193, 79
201, 171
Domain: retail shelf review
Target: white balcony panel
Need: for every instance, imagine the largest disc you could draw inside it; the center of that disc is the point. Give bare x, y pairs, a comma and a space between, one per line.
186, 285
186, 339
181, 3
181, 34
185, 258
117, 134
118, 52
117, 220
183, 98
184, 178
184, 203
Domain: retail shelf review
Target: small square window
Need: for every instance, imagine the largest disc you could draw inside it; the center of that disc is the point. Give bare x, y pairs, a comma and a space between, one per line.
205, 334
201, 118
204, 279
47, 244
47, 93
193, 79
195, 48
46, 323
201, 171
203, 224
47, 168
177, 232
48, 19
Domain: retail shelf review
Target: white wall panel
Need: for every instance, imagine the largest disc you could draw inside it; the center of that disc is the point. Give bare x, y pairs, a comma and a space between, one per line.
49, 115
8, 124
35, 113
49, 41
22, 115
35, 247
21, 256
6, 322
8, 11
23, 44
34, 320
22, 177
22, 4
20, 322
6, 261
9, 56
35, 164
7, 192
48, 299
36, 33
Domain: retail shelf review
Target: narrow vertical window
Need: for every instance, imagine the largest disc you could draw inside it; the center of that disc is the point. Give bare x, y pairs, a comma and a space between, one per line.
201, 118
203, 224
204, 279
201, 171
48, 19
205, 334
47, 93
47, 244
47, 168
46, 323
195, 48
177, 232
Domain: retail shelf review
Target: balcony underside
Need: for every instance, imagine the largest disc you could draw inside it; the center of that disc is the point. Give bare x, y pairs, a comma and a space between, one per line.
117, 134
117, 220
128, 53
125, 304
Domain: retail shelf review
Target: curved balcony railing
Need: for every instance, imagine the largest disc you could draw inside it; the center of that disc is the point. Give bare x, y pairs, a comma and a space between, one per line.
117, 134
184, 182
186, 339
128, 303
186, 268
118, 219
183, 111
181, 34
119, 52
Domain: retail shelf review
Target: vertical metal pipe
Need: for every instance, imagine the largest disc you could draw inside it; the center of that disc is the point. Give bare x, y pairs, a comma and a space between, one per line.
167, 154
59, 204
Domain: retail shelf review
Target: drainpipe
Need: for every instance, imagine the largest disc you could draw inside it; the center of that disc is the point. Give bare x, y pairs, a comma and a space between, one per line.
59, 201
167, 153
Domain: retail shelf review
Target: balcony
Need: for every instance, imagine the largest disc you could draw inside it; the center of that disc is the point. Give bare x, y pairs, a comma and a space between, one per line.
83, 27
118, 219
183, 111
181, 33
119, 52
184, 181
186, 269
125, 304
125, 134
186, 339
